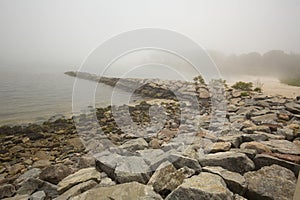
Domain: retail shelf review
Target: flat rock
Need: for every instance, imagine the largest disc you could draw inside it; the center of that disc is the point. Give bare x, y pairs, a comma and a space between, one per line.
133, 190
293, 107
257, 146
205, 186
264, 118
132, 168
262, 160
282, 146
235, 182
228, 160
77, 189
135, 144
81, 176
166, 178
271, 182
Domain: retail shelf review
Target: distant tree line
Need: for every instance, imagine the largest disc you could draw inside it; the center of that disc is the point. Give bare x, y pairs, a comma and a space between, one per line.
284, 66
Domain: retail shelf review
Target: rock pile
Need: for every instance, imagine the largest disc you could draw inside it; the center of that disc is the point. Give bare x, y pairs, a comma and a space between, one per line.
251, 152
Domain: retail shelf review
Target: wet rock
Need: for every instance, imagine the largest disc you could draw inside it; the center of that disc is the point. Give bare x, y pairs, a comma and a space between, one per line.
257, 146
272, 182
123, 191
166, 178
81, 176
40, 195
228, 160
135, 144
235, 182
7, 190
77, 189
205, 186
262, 160
132, 168
55, 173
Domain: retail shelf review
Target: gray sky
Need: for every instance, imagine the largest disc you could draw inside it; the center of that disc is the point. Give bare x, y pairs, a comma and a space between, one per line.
61, 33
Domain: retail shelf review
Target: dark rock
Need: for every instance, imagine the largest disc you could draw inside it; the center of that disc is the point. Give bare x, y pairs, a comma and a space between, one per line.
55, 173
7, 190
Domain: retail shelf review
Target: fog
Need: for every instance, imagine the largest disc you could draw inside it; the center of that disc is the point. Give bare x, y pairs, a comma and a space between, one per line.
58, 35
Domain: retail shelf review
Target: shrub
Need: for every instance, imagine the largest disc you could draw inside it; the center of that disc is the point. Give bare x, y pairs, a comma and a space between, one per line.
244, 94
199, 79
243, 86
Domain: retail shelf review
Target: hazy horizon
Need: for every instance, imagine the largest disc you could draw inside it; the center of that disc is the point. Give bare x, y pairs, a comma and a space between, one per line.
55, 35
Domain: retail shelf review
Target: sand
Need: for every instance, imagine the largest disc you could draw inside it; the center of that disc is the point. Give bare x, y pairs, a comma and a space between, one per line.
270, 85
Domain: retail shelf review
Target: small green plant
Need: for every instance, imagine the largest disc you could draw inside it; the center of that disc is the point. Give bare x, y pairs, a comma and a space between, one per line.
244, 94
257, 89
243, 86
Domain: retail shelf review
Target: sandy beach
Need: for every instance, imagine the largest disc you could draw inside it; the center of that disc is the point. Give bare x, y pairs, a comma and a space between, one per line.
270, 85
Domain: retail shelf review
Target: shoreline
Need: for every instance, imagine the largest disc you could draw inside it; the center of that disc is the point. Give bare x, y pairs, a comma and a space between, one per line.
73, 159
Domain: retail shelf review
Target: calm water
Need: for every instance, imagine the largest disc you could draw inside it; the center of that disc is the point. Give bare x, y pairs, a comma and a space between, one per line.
34, 97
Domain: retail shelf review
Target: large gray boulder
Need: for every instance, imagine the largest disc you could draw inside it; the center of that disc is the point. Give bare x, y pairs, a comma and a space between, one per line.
236, 162
132, 168
271, 182
205, 186
124, 191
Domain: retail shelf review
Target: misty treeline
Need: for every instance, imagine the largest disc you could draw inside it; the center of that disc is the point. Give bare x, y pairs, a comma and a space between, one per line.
276, 63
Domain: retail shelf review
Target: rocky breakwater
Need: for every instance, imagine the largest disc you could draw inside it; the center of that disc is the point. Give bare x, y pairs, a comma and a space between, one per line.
151, 88
255, 154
